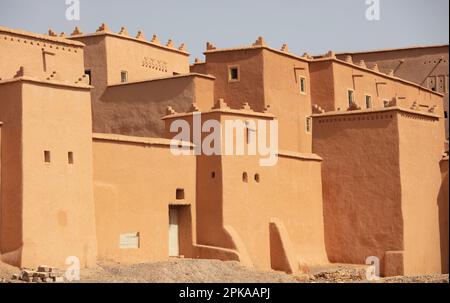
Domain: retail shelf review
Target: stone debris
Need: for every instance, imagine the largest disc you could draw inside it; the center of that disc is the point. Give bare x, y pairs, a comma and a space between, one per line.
43, 274
199, 271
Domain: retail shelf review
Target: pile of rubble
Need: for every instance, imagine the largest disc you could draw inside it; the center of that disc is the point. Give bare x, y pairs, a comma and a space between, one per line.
43, 274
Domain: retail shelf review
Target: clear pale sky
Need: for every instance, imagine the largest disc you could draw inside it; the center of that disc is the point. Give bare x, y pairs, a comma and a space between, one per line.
315, 26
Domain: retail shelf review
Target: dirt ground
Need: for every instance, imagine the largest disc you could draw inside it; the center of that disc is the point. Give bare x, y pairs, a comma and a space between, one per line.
190, 270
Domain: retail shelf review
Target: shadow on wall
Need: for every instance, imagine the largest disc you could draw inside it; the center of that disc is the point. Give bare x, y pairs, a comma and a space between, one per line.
137, 108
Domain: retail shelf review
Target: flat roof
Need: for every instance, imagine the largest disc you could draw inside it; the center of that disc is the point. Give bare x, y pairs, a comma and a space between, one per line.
48, 82
22, 33
252, 47
223, 110
116, 35
297, 155
375, 110
140, 140
165, 78
392, 49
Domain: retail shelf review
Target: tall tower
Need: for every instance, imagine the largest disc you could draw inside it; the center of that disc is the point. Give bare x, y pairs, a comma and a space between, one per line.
47, 209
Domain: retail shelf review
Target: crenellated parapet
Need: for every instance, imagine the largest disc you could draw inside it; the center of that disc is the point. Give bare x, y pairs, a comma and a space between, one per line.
123, 32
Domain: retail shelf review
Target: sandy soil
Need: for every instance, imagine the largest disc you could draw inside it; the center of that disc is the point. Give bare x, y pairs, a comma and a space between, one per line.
189, 270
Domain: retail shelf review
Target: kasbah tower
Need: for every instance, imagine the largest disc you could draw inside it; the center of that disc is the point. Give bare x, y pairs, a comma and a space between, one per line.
87, 165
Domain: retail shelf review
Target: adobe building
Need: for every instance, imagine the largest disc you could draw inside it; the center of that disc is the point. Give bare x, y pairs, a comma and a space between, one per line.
424, 65
88, 167
379, 137
46, 157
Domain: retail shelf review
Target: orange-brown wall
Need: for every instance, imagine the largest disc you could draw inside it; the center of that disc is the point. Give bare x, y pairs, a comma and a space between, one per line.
132, 197
136, 108
420, 175
361, 185
107, 55
47, 208
443, 214
234, 214
381, 199
129, 55
419, 65
40, 55
266, 78
364, 82
249, 88
426, 66
58, 208
287, 103
11, 159
289, 192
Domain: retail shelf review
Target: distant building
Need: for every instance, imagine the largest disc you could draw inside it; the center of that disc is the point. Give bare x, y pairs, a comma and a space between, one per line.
424, 65
88, 169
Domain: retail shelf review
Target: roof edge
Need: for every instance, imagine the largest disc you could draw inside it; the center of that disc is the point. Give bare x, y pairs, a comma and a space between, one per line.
22, 33
112, 34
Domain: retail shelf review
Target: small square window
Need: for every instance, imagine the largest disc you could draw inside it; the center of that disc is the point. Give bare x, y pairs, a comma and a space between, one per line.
233, 73
46, 156
368, 101
123, 76
179, 194
303, 85
70, 157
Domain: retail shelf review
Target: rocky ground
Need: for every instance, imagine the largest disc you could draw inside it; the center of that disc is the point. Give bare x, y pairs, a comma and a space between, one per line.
188, 270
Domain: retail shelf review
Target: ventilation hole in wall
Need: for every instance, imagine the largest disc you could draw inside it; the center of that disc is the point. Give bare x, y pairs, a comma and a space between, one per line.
123, 76
257, 178
213, 174
70, 157
46, 156
180, 194
245, 177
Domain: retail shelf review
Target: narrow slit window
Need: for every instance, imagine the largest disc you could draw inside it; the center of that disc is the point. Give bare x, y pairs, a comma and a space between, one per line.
303, 85
308, 124
257, 178
368, 101
123, 76
213, 174
250, 132
350, 97
46, 156
70, 157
